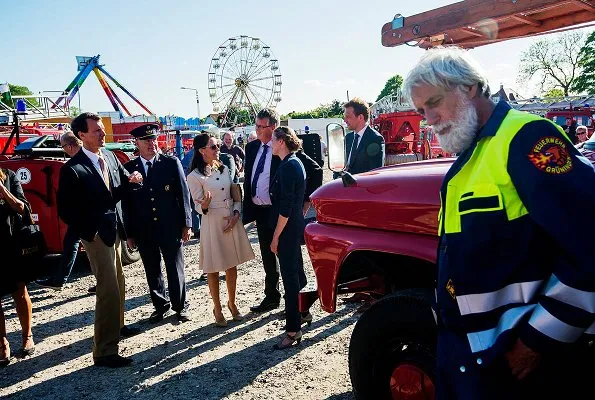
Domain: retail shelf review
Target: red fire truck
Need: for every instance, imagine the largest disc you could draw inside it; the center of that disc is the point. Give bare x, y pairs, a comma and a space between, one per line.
405, 135
388, 247
37, 162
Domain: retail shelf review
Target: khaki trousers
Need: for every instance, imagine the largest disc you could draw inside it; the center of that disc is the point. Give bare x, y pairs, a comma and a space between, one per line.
106, 264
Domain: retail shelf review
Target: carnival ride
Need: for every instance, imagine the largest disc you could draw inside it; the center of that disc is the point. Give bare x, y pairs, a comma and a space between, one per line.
244, 77
86, 65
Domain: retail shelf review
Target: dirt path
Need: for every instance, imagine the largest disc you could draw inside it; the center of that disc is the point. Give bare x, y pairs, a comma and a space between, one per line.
176, 361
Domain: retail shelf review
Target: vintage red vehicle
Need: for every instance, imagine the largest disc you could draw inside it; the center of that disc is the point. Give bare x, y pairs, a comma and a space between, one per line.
37, 162
405, 134
376, 232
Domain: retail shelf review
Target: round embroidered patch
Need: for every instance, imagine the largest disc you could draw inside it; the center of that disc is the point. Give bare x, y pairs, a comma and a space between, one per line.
550, 154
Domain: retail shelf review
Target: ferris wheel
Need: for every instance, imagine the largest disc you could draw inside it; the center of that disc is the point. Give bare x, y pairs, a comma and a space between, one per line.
244, 77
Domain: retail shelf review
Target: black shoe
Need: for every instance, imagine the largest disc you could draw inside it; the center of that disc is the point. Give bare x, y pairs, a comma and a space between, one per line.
48, 284
265, 305
183, 316
112, 361
92, 289
158, 315
128, 331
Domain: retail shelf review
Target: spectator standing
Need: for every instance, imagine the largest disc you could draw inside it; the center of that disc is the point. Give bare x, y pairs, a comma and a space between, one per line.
13, 205
364, 146
224, 242
92, 183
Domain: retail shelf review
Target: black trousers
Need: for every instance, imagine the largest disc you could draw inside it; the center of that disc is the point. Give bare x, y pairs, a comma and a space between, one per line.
269, 261
294, 277
150, 251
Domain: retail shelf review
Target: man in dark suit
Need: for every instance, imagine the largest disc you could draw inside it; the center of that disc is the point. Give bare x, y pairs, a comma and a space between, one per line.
364, 147
158, 221
92, 183
259, 171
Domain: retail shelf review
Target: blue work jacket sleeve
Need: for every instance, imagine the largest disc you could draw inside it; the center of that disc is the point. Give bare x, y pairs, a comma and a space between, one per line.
557, 186
287, 192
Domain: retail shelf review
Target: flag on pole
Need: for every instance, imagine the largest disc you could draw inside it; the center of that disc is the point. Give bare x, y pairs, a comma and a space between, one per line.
5, 94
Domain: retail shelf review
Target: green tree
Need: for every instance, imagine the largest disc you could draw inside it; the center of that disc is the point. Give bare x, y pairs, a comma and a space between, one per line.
554, 93
391, 86
554, 62
585, 83
16, 90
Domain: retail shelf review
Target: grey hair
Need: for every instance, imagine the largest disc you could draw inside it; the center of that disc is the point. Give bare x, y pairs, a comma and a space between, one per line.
448, 68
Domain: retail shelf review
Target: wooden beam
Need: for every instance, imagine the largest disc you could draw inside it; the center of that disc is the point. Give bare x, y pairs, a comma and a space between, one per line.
461, 14
473, 32
521, 31
526, 19
584, 5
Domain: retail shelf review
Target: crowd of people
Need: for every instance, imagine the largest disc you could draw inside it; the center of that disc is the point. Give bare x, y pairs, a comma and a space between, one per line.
509, 314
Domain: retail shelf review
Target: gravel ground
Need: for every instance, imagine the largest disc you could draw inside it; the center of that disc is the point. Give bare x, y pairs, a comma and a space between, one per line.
172, 360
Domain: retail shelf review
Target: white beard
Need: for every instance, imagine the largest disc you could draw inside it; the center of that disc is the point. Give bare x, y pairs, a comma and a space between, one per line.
462, 129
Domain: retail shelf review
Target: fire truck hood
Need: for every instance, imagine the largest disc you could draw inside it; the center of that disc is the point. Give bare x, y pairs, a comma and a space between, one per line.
402, 198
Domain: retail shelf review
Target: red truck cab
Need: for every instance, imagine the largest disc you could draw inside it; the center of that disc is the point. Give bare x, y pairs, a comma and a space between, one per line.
376, 232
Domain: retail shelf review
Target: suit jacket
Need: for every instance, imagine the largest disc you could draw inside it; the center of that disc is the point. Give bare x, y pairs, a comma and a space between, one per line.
85, 204
313, 177
369, 153
287, 196
161, 207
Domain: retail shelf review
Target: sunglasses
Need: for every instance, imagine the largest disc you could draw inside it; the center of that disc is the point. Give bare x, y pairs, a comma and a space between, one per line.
213, 147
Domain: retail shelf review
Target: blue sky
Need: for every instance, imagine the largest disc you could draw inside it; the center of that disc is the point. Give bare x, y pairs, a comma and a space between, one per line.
153, 47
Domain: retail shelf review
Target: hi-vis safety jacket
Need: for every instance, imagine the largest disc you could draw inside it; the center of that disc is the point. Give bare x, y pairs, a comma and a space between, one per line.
517, 250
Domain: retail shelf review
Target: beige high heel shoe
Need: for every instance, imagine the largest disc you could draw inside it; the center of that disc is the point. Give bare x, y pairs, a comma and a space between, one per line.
237, 316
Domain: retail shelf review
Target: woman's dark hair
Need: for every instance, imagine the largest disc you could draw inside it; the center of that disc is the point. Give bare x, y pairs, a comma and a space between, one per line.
198, 162
288, 135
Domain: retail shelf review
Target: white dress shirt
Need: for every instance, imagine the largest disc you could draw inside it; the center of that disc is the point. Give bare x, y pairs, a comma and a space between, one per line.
359, 141
95, 160
152, 161
263, 197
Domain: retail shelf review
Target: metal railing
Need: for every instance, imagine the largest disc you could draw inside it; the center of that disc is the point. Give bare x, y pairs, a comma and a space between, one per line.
38, 106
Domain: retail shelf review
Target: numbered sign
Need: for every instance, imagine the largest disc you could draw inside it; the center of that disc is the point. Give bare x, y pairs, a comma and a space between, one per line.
24, 175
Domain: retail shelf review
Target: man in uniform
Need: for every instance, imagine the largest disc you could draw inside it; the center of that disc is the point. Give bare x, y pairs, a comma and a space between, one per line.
515, 295
159, 220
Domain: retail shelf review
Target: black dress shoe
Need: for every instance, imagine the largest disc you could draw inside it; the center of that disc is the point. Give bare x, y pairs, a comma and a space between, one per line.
183, 316
265, 305
112, 361
158, 315
127, 331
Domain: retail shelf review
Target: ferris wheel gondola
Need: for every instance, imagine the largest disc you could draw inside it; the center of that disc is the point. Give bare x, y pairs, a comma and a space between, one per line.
244, 77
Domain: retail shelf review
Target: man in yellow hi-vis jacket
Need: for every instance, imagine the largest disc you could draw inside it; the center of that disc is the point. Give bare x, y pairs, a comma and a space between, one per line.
515, 295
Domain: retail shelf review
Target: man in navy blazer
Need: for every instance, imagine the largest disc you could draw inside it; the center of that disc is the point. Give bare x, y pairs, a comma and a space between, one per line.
257, 201
158, 220
92, 183
367, 152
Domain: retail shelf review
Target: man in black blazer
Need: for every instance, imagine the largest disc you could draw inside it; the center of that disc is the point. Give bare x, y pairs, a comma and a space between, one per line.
92, 183
158, 221
367, 152
258, 175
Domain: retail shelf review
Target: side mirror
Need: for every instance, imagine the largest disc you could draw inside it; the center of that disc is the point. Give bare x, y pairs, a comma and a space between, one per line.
335, 139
